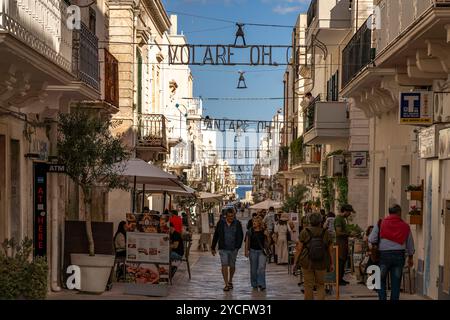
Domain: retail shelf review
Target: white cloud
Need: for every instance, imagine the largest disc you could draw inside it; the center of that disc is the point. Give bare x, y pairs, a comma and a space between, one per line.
286, 9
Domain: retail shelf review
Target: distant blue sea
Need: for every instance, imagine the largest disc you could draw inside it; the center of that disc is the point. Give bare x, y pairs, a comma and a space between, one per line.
241, 191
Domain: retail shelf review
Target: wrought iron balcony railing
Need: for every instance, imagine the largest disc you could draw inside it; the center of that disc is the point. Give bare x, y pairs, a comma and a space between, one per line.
152, 131
310, 114
358, 53
85, 57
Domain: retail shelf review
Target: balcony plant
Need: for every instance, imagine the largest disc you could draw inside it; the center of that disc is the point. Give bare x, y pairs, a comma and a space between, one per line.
415, 215
414, 192
297, 150
21, 277
292, 203
90, 154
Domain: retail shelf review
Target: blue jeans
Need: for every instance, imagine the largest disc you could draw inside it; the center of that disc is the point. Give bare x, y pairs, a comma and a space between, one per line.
391, 262
175, 256
257, 268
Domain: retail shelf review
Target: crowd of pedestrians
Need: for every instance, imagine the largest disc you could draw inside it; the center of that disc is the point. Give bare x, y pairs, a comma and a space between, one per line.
268, 234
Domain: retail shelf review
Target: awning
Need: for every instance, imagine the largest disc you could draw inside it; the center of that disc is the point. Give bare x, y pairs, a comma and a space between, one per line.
266, 204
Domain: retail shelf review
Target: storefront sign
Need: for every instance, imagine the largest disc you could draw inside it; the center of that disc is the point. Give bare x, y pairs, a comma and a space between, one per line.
428, 142
416, 108
359, 159
56, 168
40, 209
444, 144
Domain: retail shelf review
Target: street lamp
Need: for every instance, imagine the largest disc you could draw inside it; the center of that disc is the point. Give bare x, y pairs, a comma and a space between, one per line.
181, 113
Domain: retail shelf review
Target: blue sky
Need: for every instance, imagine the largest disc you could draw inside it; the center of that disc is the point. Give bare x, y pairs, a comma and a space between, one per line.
221, 81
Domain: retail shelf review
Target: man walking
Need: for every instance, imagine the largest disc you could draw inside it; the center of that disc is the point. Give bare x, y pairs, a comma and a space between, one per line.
315, 250
269, 221
342, 235
394, 240
229, 235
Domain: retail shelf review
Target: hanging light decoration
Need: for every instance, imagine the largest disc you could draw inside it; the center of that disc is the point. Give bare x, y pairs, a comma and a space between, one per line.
241, 83
240, 33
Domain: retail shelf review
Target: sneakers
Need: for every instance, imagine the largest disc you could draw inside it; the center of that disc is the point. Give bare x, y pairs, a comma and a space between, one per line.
261, 288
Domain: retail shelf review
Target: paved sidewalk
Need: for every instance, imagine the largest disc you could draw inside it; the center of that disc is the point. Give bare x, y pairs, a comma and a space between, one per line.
207, 284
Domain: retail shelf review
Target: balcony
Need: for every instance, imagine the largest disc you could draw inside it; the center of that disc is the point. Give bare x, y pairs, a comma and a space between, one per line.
326, 122
194, 109
152, 134
310, 160
85, 64
327, 20
426, 17
358, 53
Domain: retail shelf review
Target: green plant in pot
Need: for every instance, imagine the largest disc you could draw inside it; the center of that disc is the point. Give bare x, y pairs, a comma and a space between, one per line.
415, 211
20, 276
90, 154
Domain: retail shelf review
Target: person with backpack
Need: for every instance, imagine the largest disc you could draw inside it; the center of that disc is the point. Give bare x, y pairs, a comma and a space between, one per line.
314, 253
393, 238
257, 243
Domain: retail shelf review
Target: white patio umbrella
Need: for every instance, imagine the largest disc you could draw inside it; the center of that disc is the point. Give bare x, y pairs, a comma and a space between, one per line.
210, 197
152, 178
266, 204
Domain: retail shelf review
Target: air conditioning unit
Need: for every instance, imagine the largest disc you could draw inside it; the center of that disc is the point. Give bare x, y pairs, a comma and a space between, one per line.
335, 166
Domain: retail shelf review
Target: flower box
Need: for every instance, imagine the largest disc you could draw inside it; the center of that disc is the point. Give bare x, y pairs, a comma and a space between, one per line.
416, 219
414, 195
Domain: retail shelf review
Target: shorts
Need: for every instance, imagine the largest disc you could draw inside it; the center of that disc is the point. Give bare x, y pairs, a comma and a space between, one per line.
228, 257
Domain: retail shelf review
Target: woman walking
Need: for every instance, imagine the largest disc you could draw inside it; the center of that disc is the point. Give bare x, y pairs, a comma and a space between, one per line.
256, 240
281, 235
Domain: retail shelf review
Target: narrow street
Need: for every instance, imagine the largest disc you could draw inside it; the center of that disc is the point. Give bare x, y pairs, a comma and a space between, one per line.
206, 283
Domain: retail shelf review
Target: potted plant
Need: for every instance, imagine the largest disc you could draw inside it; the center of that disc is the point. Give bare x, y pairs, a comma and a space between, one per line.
414, 192
90, 154
415, 215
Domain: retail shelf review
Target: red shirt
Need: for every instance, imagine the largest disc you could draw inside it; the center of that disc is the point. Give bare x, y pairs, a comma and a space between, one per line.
177, 223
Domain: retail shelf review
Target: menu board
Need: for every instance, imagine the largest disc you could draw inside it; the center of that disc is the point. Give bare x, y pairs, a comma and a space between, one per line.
148, 247
148, 251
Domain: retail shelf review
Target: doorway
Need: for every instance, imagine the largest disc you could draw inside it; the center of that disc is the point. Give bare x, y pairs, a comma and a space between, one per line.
446, 285
2, 187
405, 181
431, 229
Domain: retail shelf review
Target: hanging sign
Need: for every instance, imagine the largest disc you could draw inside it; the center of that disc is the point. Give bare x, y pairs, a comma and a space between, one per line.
416, 108
40, 210
444, 144
359, 159
428, 142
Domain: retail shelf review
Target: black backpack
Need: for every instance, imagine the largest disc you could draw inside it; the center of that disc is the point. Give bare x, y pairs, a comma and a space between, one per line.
317, 248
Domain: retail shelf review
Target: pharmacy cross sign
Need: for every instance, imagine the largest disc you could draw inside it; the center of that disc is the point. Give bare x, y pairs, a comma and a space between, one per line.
230, 55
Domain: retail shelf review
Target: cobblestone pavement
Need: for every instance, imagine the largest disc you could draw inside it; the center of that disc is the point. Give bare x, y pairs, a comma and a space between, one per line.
207, 283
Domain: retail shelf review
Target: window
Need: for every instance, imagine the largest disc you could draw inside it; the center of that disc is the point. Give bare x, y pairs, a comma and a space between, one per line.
333, 87
15, 221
